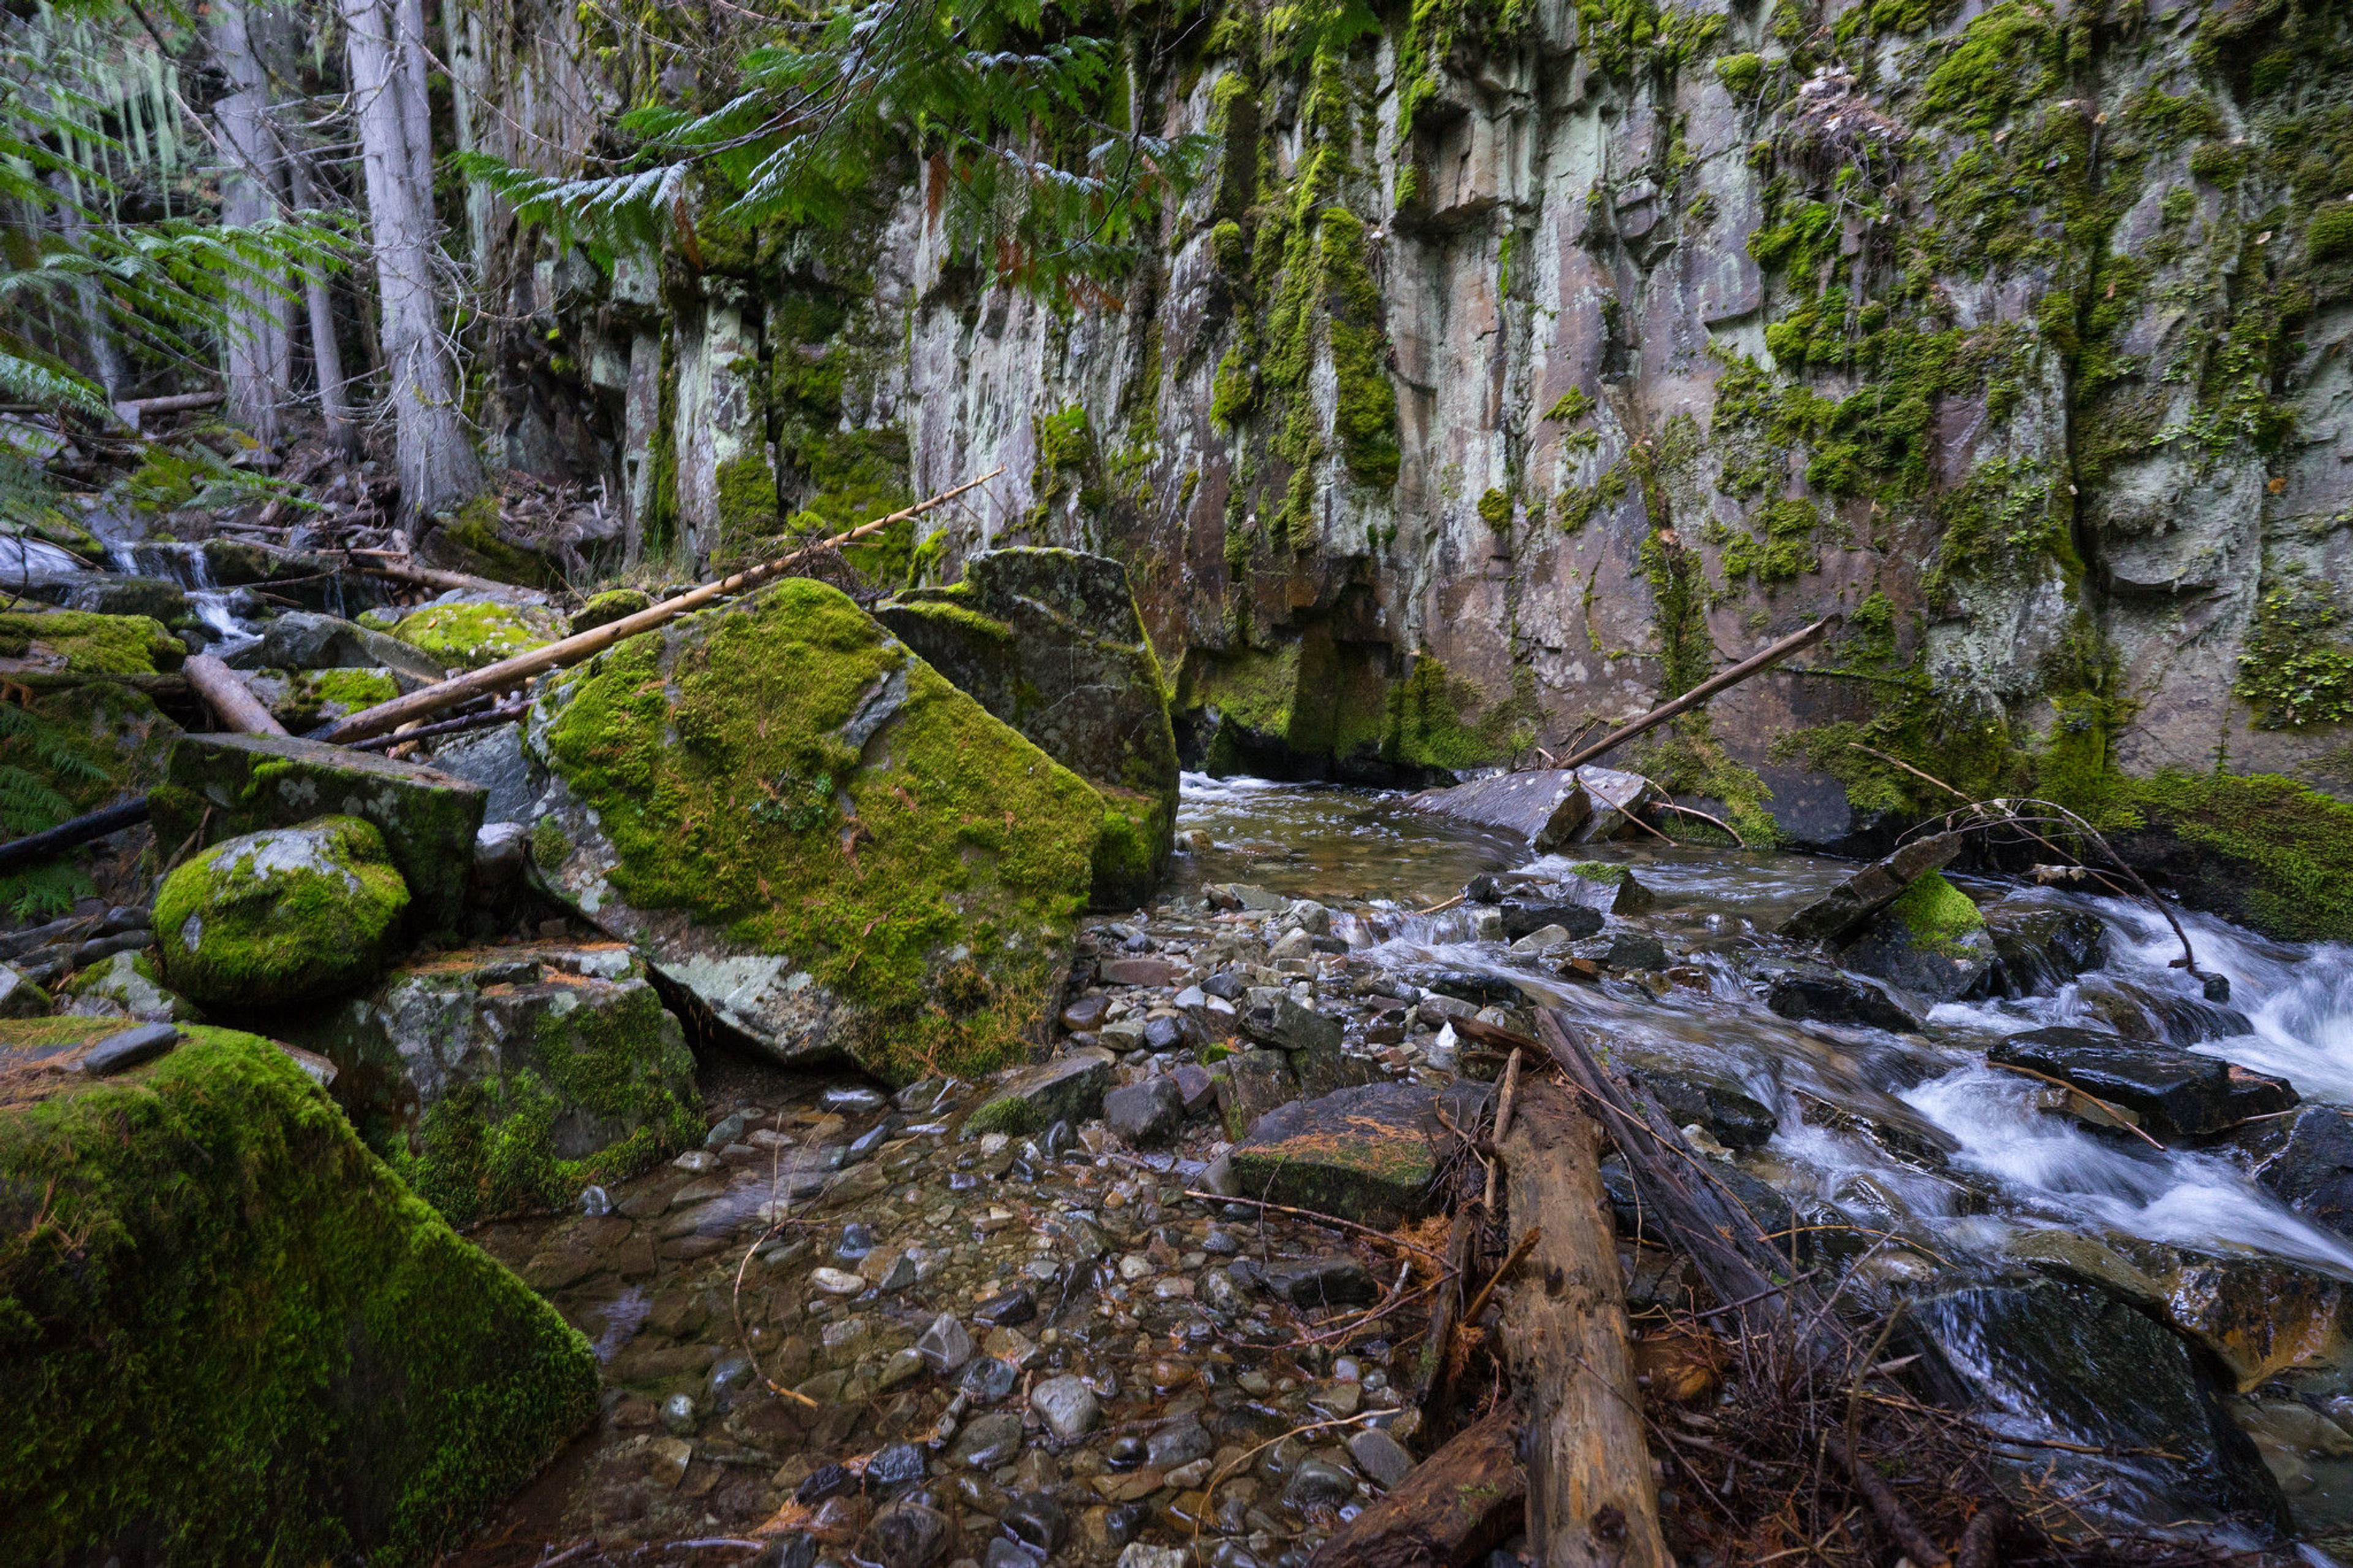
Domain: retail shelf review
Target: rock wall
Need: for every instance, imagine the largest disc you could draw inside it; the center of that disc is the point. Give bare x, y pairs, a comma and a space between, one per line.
1516, 364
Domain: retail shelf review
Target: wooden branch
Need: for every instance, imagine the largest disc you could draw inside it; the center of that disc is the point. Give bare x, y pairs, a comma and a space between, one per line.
1451, 1510
1437, 1345
436, 577
1886, 1507
65, 835
228, 696
512, 672
1591, 1497
1752, 665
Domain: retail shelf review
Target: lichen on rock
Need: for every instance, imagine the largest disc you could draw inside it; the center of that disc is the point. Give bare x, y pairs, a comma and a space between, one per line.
815, 835
285, 915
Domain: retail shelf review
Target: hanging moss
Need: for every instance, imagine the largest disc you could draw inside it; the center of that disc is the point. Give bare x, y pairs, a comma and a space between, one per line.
2282, 851
1365, 417
1781, 549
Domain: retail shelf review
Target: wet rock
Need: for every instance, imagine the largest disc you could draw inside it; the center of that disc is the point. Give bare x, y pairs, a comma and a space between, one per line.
129, 1048
1049, 642
2257, 1316
1069, 1089
1329, 1281
1252, 1084
894, 1468
471, 1060
605, 608
678, 1413
2305, 1160
1616, 795
1844, 907
1145, 1115
1611, 888
1067, 1405
1318, 1484
972, 848
1473, 989
1242, 896
2041, 947
1630, 950
1010, 1309
281, 916
1086, 1011
2064, 1362
1227, 985
908, 1535
19, 997
945, 1345
987, 1441
1524, 917
1037, 1521
988, 1379
1723, 1105
824, 1484
1285, 1025
501, 851
1365, 1155
2174, 1093
216, 787
1195, 1090
1546, 807
1180, 1442
1930, 943
1830, 996
1380, 1456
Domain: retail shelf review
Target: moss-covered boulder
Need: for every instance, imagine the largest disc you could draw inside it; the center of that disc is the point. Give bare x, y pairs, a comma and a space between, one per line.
1931, 941
231, 1334
471, 634
612, 604
219, 787
88, 643
1368, 1153
469, 540
126, 986
1049, 641
513, 1077
299, 640
288, 914
304, 699
815, 835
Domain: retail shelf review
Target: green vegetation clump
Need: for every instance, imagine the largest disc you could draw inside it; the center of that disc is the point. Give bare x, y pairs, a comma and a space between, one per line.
2004, 61
1783, 550
747, 504
2330, 235
1496, 510
1569, 406
2285, 849
932, 902
1741, 73
234, 1336
469, 637
284, 915
89, 643
472, 530
2291, 670
605, 608
1366, 418
1938, 915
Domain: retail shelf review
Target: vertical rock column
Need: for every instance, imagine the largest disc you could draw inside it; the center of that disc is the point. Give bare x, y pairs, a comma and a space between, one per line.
726, 485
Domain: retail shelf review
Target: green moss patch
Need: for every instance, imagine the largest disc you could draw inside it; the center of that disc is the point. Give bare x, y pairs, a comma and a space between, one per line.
468, 636
234, 1336
90, 644
2261, 848
1938, 914
929, 877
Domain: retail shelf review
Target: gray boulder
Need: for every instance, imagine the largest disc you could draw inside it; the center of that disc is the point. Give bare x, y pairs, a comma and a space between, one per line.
1145, 1115
1069, 1088
301, 640
2171, 1092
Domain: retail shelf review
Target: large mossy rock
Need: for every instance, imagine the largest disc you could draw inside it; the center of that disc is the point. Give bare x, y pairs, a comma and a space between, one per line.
219, 786
1049, 641
468, 635
229, 1334
285, 915
510, 1078
87, 643
814, 834
1367, 1154
299, 640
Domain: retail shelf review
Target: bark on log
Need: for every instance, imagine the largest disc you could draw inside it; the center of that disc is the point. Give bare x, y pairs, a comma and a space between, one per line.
512, 672
65, 835
1453, 1508
1591, 1498
1430, 1386
1755, 663
227, 696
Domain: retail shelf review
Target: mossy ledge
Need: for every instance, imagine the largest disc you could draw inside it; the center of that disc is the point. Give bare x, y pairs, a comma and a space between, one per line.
231, 1335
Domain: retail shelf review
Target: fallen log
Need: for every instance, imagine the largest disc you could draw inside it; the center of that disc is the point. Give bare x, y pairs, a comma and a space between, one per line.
1754, 663
1451, 1510
512, 672
228, 696
1591, 1497
65, 835
438, 577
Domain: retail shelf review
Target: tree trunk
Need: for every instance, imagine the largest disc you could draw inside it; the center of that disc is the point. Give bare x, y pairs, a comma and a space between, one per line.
326, 354
97, 332
1592, 1502
433, 449
259, 349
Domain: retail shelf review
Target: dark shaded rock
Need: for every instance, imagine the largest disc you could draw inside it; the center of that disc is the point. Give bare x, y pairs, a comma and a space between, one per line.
300, 641
1180, 1442
987, 1441
2067, 1362
1163, 1035
1195, 1089
2175, 1093
2041, 947
1286, 1026
2305, 1160
1250, 1085
493, 759
1015, 1307
112, 595
1069, 1088
1844, 907
1332, 1281
1037, 1520
895, 1468
1086, 1011
1145, 1115
127, 1049
217, 787
1630, 950
1732, 1116
1522, 915
989, 1379
1365, 1155
1049, 641
1931, 943
1833, 997
1479, 990
1228, 985
1546, 807
908, 1535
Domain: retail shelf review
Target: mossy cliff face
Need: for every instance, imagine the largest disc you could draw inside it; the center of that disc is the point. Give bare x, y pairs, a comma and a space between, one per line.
1049, 641
231, 1334
285, 915
811, 832
514, 1077
1515, 367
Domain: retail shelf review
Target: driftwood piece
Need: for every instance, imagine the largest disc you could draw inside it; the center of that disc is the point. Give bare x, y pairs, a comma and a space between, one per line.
1436, 1378
1591, 1497
512, 672
1453, 1508
1754, 663
226, 694
65, 835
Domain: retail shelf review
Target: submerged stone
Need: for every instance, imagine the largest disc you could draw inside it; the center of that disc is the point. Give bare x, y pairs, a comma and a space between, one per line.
1365, 1155
236, 1331
1049, 641
815, 837
285, 915
218, 786
511, 1077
